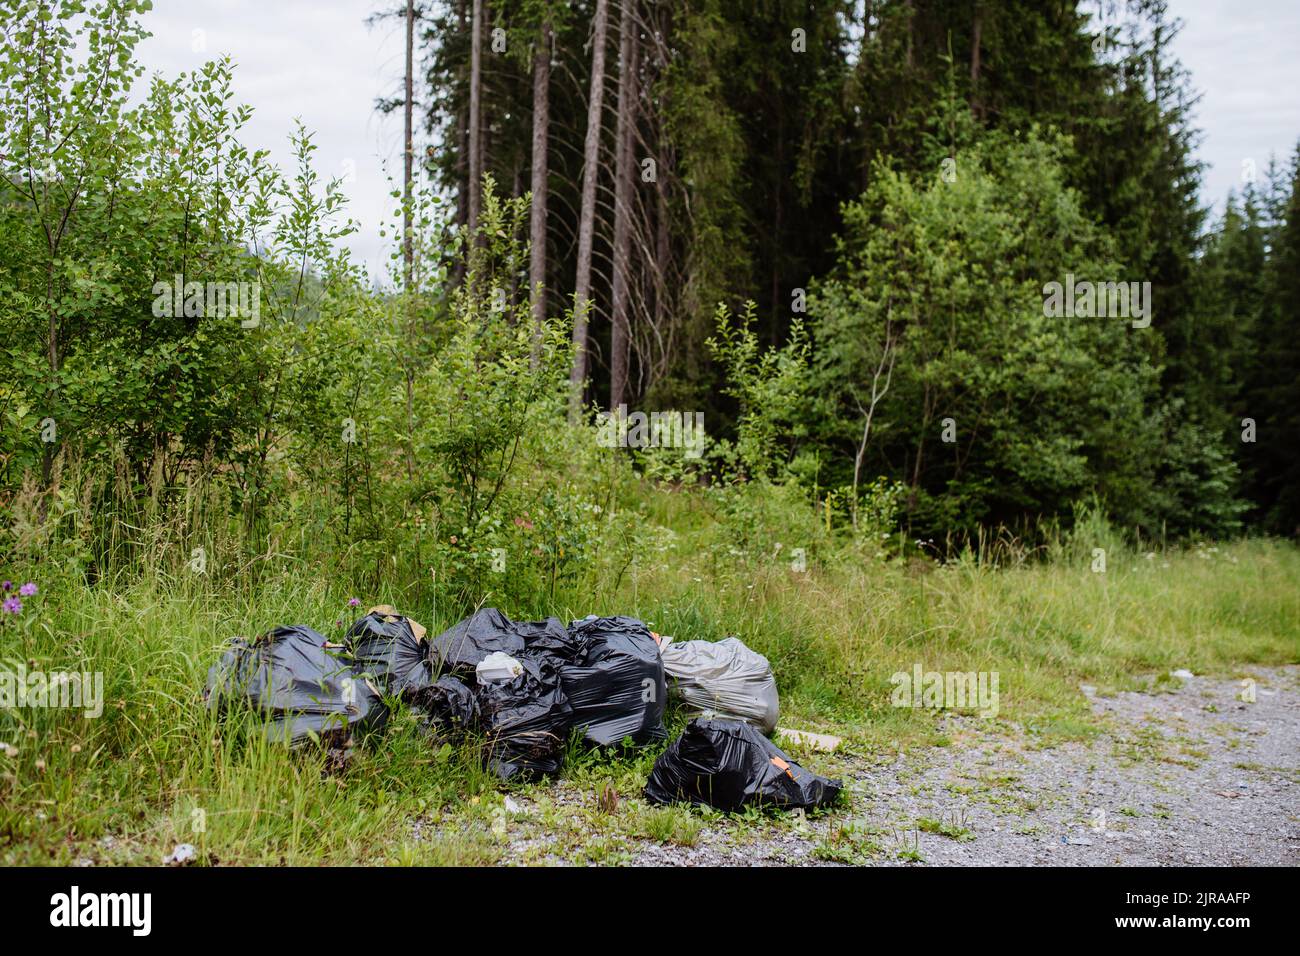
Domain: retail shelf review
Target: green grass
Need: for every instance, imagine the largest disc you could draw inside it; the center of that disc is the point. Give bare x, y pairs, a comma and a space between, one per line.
952, 829
851, 843
671, 825
129, 785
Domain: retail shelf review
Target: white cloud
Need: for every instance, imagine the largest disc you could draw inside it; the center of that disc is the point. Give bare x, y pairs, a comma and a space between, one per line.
1244, 57
318, 62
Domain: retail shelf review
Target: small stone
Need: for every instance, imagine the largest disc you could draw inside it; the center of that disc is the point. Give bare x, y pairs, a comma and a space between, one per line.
824, 742
183, 853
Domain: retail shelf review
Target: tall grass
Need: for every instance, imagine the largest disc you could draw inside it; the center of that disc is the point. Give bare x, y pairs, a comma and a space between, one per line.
157, 761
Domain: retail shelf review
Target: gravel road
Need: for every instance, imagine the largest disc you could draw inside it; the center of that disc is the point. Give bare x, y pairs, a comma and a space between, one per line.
1191, 775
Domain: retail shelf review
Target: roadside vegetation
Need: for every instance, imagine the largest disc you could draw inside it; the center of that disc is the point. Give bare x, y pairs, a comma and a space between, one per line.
174, 475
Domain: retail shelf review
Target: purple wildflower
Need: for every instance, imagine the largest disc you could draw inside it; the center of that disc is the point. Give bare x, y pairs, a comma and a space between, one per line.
8, 585
12, 605
354, 602
28, 589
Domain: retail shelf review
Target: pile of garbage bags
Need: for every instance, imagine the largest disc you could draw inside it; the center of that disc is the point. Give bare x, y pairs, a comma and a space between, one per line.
523, 688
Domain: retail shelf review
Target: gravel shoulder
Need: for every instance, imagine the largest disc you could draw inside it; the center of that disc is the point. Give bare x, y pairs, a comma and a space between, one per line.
1189, 775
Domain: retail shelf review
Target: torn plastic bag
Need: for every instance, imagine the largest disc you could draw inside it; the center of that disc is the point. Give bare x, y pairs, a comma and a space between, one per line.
451, 707
729, 765
527, 721
723, 679
392, 650
616, 685
460, 648
304, 685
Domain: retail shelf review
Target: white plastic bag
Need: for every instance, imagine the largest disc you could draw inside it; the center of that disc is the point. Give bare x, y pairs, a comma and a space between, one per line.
723, 679
497, 667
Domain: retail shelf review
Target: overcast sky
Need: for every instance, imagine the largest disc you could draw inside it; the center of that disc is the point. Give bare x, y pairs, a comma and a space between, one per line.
314, 60
318, 61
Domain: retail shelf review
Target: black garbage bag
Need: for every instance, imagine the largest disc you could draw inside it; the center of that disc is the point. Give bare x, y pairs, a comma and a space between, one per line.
391, 649
527, 721
616, 684
451, 707
460, 648
304, 686
729, 765
601, 674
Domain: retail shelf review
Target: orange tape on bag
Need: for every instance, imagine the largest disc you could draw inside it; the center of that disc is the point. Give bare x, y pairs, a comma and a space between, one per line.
782, 765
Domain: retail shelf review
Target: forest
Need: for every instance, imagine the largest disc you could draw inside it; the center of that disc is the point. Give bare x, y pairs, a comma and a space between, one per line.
829, 230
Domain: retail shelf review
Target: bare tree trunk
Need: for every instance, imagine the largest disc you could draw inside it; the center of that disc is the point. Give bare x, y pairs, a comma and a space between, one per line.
52, 352
476, 116
776, 228
976, 107
620, 337
911, 30
877, 393
408, 242
662, 254
587, 213
927, 416
408, 155
462, 154
537, 213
